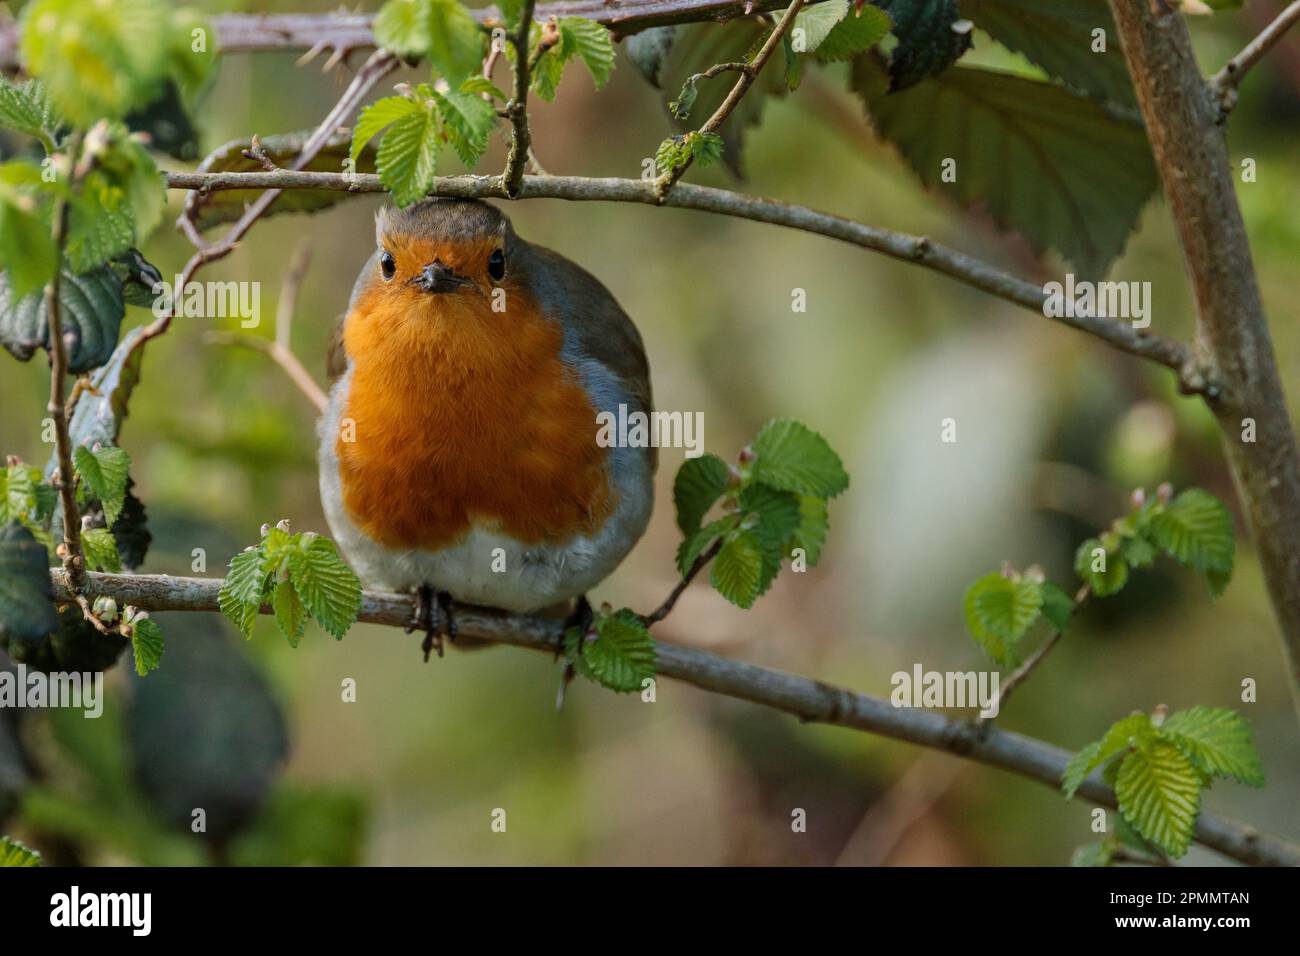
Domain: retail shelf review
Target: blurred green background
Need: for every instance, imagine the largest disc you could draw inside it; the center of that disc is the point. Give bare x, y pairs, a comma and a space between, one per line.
1053, 430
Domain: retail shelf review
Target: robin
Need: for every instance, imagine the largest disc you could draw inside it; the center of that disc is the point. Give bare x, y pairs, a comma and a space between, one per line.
458, 451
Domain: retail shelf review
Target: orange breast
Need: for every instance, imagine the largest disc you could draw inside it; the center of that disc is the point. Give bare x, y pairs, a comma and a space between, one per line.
463, 415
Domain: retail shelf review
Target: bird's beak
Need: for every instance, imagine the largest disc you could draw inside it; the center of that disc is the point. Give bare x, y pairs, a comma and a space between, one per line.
435, 277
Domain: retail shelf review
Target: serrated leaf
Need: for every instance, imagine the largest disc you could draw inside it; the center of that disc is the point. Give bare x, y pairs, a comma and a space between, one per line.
696, 543
14, 854
327, 587
290, 614
590, 42
403, 27
738, 569
1060, 38
1130, 731
408, 155
25, 109
1058, 606
793, 457
856, 33
1105, 573
1159, 793
700, 482
1195, 529
146, 645
90, 311
813, 24
455, 41
547, 73
814, 523
105, 472
706, 148
375, 117
1219, 741
999, 612
778, 517
26, 596
623, 655
930, 39
244, 589
467, 119
99, 59
1081, 173
481, 84
1138, 552
100, 549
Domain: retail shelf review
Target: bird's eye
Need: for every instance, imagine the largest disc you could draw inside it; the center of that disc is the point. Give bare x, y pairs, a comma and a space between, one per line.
497, 265
387, 265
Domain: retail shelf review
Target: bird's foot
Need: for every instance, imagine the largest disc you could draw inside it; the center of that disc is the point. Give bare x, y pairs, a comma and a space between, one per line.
580, 617
433, 615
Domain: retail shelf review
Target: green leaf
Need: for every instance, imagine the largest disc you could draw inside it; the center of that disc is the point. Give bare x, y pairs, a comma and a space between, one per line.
700, 482
25, 108
546, 74
98, 59
999, 612
856, 33
1219, 741
1058, 37
1107, 578
793, 457
672, 152
100, 548
622, 656
91, 311
590, 42
1058, 606
326, 586
738, 569
403, 27
14, 854
481, 84
1082, 173
813, 24
1159, 793
706, 148
105, 471
375, 117
1137, 551
290, 615
1093, 854
777, 514
699, 541
467, 120
814, 523
455, 41
244, 590
928, 43
1196, 530
1131, 731
26, 597
408, 155
146, 645
27, 253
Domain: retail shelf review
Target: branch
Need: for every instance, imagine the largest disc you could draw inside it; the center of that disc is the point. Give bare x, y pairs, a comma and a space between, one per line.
1023, 672
1191, 153
810, 700
1225, 82
517, 108
915, 249
743, 82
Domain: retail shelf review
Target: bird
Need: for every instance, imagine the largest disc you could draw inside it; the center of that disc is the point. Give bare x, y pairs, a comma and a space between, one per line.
459, 449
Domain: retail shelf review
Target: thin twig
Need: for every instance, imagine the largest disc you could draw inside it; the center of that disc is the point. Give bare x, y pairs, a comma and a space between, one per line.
1022, 673
810, 700
909, 248
1225, 82
517, 108
663, 610
665, 183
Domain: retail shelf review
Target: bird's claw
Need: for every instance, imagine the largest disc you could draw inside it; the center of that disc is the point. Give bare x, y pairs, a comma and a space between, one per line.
433, 615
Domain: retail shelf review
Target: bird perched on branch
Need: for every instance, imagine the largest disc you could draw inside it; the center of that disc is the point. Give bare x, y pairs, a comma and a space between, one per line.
458, 450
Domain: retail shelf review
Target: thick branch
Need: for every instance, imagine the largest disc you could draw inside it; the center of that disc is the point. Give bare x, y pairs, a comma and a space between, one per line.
517, 108
917, 249
1191, 153
808, 699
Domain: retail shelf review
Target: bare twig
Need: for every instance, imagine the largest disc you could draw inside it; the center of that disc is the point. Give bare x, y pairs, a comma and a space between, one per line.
909, 248
810, 700
1192, 156
517, 108
1225, 82
743, 82
1022, 673
663, 610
